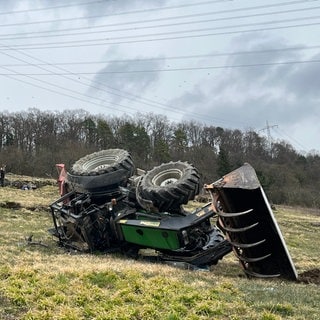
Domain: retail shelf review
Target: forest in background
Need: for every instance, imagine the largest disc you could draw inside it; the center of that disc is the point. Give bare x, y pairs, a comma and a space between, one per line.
33, 141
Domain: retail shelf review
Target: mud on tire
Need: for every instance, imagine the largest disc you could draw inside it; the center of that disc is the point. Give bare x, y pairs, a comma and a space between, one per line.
168, 186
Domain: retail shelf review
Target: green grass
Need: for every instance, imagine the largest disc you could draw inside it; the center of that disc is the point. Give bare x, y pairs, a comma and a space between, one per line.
47, 282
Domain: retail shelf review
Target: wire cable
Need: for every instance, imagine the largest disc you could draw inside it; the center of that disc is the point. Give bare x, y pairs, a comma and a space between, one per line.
195, 115
159, 105
188, 36
196, 56
111, 106
119, 13
171, 70
65, 89
75, 4
31, 36
292, 139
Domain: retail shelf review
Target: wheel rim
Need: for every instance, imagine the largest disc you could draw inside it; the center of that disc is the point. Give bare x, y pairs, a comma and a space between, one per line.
100, 163
167, 177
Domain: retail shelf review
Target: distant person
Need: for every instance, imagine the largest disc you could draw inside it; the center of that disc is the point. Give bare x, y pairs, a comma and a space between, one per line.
2, 175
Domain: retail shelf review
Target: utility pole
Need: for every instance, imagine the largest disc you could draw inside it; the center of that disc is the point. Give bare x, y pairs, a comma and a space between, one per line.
268, 127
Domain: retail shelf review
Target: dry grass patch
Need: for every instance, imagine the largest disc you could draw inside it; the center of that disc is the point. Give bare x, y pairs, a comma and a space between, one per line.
48, 282
36, 199
301, 232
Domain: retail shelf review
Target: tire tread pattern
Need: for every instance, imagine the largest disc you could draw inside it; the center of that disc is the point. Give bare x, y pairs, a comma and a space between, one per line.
175, 194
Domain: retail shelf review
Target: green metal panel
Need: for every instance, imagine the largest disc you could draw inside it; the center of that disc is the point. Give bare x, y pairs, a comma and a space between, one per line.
147, 233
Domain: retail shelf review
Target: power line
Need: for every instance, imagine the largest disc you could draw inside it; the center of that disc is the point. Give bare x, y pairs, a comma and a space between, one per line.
120, 13
112, 104
81, 82
30, 34
126, 107
221, 54
72, 91
158, 105
69, 74
68, 90
55, 91
173, 69
280, 132
75, 4
290, 137
86, 44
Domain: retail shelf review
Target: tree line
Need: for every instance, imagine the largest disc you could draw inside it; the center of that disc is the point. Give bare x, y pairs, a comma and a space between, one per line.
33, 141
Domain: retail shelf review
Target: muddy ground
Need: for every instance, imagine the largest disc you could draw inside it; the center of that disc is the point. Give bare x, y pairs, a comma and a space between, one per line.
310, 276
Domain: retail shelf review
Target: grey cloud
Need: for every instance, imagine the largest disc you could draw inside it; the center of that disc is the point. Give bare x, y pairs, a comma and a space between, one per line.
134, 83
265, 74
280, 93
305, 79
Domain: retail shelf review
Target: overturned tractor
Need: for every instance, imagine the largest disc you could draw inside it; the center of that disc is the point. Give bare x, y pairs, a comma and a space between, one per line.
107, 205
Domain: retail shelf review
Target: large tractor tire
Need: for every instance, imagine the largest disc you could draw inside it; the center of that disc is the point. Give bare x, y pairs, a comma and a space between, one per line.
101, 172
166, 187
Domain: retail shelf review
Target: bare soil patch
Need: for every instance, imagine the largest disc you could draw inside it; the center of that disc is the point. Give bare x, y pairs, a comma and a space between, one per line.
310, 276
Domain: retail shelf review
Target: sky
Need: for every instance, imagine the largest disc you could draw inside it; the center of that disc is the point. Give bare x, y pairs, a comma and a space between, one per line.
236, 64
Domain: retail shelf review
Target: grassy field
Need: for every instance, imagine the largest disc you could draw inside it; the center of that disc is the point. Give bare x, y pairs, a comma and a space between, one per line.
39, 280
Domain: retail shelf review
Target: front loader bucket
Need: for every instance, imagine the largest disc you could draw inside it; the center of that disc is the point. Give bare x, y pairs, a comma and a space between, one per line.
246, 218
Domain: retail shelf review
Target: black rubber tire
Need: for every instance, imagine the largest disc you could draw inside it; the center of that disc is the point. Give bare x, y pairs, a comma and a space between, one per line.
102, 171
168, 186
102, 162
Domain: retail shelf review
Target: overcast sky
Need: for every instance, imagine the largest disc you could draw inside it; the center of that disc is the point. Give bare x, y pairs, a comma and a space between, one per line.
245, 64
